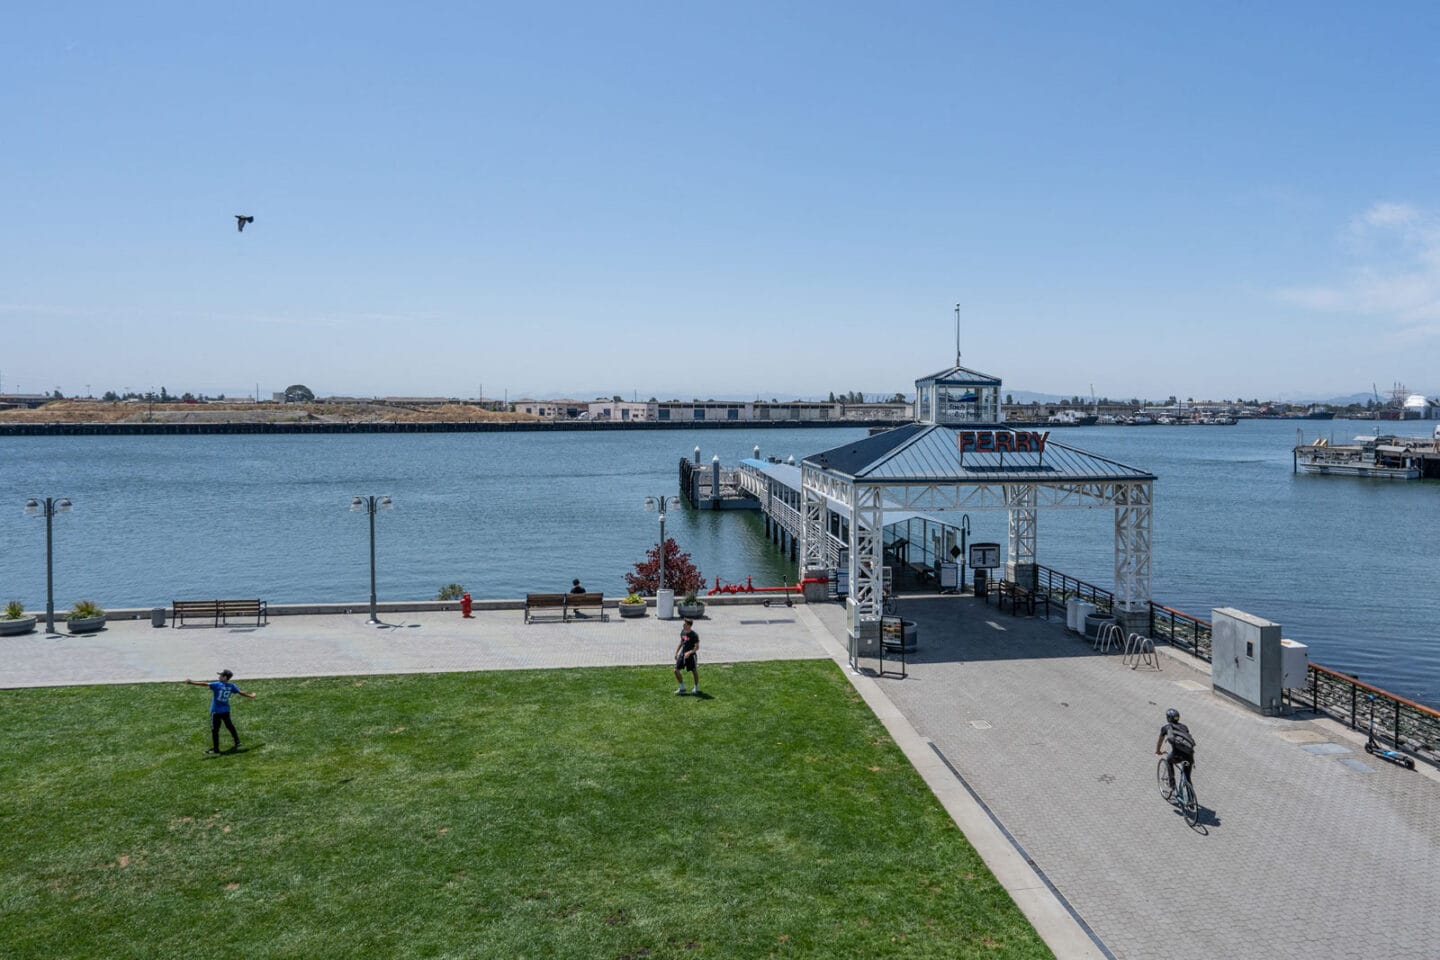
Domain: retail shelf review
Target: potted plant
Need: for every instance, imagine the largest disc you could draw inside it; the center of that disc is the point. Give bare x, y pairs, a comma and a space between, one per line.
691, 606
85, 617
13, 621
632, 606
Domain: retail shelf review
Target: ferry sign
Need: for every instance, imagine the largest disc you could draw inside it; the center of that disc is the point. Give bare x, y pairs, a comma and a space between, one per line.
1001, 441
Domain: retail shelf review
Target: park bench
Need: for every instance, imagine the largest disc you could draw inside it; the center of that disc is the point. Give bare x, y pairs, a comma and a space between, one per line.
217, 611
575, 602
544, 601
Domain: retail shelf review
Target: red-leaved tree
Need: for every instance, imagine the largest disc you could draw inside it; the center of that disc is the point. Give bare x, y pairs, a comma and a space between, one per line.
681, 574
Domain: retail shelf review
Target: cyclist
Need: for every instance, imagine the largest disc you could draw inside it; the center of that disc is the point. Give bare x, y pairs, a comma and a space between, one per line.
1182, 744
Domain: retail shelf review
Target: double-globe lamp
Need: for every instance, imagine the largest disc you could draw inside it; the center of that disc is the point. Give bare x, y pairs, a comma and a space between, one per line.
371, 505
48, 507
661, 504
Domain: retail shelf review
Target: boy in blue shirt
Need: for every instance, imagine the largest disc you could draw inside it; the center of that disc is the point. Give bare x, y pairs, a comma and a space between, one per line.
220, 691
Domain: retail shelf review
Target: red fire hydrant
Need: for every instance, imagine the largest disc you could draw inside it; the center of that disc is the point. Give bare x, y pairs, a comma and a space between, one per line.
465, 605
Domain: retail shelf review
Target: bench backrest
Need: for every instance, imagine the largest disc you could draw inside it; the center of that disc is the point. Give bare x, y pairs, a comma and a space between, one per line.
585, 599
545, 599
239, 606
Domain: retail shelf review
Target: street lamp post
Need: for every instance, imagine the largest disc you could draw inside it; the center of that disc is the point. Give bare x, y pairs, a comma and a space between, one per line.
964, 536
371, 505
661, 504
49, 507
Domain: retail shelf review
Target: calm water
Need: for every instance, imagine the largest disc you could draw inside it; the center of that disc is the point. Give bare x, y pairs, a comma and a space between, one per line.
1347, 566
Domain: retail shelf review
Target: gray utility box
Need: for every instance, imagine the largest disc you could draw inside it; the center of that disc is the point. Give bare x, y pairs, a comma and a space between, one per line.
1245, 658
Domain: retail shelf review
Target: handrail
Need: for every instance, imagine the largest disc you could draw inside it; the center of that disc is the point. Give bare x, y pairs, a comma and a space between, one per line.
1412, 726
1045, 577
1380, 691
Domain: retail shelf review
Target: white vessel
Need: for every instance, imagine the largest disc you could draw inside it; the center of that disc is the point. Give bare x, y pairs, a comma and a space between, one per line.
1417, 406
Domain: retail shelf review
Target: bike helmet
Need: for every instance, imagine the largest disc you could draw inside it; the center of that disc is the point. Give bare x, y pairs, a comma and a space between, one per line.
1172, 715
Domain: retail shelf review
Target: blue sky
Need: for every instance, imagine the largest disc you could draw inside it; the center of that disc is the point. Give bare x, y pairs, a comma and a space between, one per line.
703, 200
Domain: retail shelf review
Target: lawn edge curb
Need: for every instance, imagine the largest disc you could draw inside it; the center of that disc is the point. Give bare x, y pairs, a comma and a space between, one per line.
1032, 893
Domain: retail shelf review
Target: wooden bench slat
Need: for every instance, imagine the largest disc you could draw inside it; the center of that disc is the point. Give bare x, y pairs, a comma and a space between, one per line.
218, 610
585, 601
544, 601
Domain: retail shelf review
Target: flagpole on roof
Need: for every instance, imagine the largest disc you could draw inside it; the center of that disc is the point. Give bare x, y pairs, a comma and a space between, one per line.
957, 334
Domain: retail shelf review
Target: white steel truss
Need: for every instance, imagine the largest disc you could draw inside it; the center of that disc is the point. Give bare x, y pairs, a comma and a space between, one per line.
868, 501
813, 532
1020, 498
867, 551
1132, 545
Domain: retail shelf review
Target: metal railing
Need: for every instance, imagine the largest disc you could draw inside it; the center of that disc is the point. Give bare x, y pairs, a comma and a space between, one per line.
1061, 587
1409, 725
1180, 629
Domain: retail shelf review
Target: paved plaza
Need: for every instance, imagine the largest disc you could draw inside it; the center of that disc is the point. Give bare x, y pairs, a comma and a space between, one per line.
1306, 848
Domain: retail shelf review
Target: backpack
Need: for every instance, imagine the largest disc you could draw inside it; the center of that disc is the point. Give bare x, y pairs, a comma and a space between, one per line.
1180, 739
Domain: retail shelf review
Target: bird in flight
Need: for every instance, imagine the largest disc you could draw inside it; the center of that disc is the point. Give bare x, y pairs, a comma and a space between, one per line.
241, 220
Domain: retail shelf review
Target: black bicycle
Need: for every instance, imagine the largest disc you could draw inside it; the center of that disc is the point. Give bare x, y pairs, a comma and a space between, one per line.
1183, 793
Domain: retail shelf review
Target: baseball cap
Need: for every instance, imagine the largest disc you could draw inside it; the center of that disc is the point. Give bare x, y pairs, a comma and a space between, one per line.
227, 674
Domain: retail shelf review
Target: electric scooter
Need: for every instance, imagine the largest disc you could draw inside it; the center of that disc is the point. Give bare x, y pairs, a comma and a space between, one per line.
1372, 746
788, 602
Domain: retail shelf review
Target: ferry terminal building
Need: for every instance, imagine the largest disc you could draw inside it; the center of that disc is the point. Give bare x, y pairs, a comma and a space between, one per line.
959, 455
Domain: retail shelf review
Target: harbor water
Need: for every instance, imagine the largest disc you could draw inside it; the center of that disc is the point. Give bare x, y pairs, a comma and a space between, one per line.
1346, 566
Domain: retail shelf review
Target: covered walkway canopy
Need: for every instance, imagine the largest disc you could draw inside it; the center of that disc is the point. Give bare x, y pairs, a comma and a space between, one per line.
937, 467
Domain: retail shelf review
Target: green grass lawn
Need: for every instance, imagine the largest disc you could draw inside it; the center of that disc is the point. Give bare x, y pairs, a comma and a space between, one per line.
582, 813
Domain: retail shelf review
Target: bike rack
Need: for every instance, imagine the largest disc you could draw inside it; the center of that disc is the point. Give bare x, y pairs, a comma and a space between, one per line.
1140, 649
1108, 637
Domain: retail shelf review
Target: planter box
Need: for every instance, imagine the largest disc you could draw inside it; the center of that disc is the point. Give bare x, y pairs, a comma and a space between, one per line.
85, 625
13, 628
690, 612
632, 610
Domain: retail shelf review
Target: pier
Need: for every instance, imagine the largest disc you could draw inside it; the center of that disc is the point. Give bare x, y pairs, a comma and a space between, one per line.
1381, 457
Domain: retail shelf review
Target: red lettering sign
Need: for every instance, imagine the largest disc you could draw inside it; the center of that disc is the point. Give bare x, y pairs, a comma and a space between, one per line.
1001, 441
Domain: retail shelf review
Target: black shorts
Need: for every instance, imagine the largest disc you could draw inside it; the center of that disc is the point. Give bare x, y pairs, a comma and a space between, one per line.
686, 661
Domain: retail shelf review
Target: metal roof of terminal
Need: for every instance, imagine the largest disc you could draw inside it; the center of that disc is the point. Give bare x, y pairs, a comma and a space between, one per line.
930, 453
961, 376
789, 475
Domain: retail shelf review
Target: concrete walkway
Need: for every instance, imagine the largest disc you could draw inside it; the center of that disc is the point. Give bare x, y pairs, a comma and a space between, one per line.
132, 651
1308, 847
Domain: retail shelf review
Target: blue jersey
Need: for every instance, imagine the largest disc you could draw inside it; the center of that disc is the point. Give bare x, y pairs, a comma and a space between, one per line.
221, 690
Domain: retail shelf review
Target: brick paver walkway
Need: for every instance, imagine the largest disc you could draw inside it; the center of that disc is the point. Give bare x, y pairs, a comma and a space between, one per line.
1308, 848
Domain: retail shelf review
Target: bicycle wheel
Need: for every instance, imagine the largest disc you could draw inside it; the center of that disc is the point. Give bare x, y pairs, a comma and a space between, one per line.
1189, 802
1162, 778
888, 605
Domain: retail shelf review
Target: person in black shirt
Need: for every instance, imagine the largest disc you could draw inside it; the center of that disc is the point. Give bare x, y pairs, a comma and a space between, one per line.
1182, 744
686, 652
576, 588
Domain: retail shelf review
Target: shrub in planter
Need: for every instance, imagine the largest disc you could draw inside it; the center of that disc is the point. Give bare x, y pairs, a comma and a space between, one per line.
451, 591
13, 621
85, 617
691, 605
632, 606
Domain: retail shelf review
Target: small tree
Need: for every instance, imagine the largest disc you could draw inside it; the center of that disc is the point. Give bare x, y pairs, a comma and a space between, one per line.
681, 575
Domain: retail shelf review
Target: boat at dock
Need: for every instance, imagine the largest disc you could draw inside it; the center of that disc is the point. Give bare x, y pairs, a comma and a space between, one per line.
1383, 457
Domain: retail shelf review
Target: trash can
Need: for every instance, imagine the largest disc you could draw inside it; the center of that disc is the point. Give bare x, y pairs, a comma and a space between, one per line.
665, 604
157, 616
1076, 611
982, 577
1095, 622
